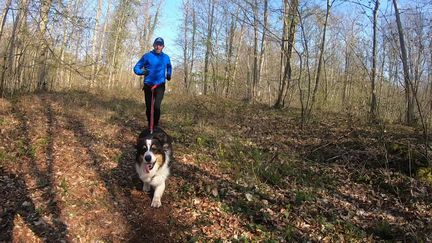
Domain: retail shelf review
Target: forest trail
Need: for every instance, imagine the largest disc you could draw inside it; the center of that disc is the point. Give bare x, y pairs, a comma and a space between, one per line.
241, 173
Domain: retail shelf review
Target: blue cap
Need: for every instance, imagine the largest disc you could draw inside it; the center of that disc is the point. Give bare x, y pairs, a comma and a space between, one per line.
159, 41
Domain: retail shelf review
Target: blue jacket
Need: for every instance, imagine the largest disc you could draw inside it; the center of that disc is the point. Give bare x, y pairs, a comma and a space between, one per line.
158, 66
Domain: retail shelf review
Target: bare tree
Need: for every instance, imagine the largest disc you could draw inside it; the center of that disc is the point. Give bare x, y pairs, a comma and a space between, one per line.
208, 41
95, 43
193, 43
289, 29
188, 42
320, 58
11, 61
185, 43
3, 16
229, 51
430, 68
262, 45
304, 101
118, 35
225, 44
44, 11
348, 56
103, 41
374, 108
148, 19
410, 115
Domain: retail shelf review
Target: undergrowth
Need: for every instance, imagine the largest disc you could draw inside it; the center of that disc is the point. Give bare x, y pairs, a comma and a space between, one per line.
334, 179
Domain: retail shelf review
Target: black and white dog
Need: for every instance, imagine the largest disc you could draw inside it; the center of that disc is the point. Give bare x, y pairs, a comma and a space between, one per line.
154, 152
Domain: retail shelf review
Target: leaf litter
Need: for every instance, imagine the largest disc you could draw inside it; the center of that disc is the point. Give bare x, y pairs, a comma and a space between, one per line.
240, 173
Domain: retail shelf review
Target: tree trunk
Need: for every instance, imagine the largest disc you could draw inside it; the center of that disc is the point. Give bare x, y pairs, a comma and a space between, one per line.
410, 115
237, 55
430, 72
291, 20
255, 74
118, 38
44, 12
230, 54
305, 98
95, 42
3, 17
263, 44
102, 42
3, 70
208, 44
283, 47
193, 44
374, 106
186, 9
22, 48
10, 65
346, 75
320, 59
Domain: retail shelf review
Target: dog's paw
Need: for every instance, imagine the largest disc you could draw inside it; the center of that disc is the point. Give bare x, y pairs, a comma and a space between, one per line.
156, 202
146, 187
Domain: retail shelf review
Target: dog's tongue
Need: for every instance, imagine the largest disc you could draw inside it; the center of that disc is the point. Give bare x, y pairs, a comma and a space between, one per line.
148, 168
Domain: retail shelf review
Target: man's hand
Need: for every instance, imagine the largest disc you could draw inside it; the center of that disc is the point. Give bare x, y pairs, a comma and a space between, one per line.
168, 77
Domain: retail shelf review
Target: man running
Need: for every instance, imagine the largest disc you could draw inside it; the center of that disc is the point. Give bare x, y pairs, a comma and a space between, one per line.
156, 68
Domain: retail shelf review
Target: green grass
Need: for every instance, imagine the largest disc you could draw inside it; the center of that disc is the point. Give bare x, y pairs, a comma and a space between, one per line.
117, 158
25, 150
289, 233
43, 142
42, 182
303, 196
425, 174
252, 210
205, 141
275, 174
383, 230
193, 239
245, 159
186, 190
40, 210
5, 157
240, 240
353, 231
64, 186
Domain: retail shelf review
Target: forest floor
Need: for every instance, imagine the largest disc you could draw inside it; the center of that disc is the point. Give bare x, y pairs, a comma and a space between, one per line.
241, 173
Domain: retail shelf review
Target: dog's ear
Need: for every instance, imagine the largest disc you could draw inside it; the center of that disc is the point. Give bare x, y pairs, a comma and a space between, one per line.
161, 137
167, 139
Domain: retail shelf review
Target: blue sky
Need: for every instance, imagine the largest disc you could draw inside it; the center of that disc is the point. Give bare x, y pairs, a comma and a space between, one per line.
171, 14
169, 24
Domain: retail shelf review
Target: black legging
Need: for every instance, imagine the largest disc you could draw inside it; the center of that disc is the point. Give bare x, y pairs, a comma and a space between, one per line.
158, 96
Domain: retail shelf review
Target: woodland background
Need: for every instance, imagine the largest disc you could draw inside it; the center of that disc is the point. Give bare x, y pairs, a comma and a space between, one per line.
301, 120
370, 58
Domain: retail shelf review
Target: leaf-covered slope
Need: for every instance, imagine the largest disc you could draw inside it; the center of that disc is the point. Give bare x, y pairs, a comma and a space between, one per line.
240, 173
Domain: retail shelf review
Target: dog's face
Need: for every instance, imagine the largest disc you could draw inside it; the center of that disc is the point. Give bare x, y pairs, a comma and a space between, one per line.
154, 153
153, 149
